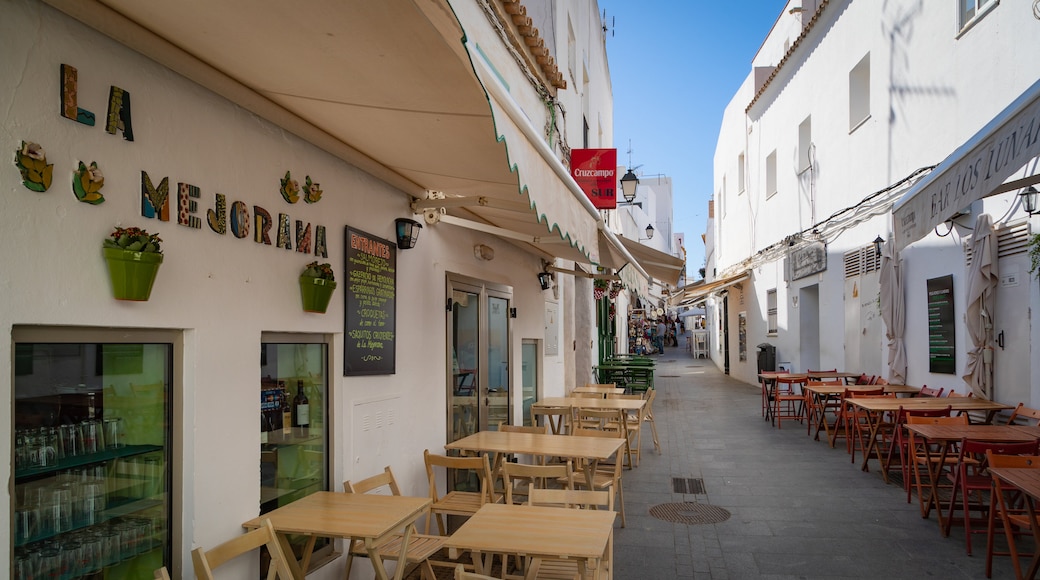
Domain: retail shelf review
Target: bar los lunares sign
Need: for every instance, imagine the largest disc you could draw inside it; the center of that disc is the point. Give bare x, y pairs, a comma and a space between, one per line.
595, 171
973, 171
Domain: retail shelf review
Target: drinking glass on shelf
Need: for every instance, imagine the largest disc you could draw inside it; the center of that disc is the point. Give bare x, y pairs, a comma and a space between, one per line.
26, 523
114, 432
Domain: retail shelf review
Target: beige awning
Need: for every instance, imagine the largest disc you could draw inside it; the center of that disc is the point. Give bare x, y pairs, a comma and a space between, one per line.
695, 293
664, 268
395, 87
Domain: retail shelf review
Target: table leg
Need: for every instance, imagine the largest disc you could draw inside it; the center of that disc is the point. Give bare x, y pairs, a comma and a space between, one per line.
874, 419
934, 472
377, 562
1034, 566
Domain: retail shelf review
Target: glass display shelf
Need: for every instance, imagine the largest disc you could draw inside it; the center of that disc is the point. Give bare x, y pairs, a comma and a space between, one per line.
120, 509
30, 473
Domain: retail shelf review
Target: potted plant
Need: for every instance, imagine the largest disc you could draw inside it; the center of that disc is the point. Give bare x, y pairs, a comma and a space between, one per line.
599, 288
133, 257
317, 283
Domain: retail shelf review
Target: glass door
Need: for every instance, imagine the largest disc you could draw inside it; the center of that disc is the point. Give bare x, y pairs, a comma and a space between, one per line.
479, 353
92, 432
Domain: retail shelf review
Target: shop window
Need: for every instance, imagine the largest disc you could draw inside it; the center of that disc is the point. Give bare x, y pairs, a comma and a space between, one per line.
92, 453
859, 93
294, 426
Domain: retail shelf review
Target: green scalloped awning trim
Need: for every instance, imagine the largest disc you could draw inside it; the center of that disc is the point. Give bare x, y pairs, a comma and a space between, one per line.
522, 188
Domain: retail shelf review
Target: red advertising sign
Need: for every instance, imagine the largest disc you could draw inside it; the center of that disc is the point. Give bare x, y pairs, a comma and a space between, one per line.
595, 170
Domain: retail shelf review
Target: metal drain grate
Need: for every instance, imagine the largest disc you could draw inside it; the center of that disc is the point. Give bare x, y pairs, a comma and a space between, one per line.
690, 513
688, 485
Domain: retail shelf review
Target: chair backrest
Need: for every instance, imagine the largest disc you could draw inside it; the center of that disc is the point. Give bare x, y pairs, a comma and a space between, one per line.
568, 498
941, 420
1014, 461
982, 449
927, 391
599, 418
385, 479
787, 384
954, 394
206, 561
162, 574
478, 465
1023, 415
902, 414
880, 381
462, 574
853, 393
863, 379
556, 418
535, 475
834, 370
536, 429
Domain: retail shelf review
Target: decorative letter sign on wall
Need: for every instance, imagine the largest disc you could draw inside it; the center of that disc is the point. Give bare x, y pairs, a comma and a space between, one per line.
942, 354
595, 170
808, 259
371, 303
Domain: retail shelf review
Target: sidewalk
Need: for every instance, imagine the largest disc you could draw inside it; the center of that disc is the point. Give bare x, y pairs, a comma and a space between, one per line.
799, 509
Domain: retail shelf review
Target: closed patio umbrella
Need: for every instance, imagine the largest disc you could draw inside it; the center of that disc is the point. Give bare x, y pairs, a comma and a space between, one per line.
982, 285
893, 313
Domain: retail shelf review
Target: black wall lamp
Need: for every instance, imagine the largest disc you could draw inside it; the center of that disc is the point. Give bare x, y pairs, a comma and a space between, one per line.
877, 245
545, 280
407, 233
628, 186
1029, 200
649, 232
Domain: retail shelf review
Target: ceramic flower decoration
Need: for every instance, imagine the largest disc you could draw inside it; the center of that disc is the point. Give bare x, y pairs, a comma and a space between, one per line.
32, 163
312, 191
290, 189
87, 183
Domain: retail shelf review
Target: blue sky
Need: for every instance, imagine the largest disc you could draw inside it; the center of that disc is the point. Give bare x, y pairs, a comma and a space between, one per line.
674, 66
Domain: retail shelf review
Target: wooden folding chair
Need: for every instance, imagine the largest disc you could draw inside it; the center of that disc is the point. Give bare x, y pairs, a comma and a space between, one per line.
162, 574
1015, 519
608, 474
557, 418
420, 546
205, 561
554, 569
455, 502
536, 476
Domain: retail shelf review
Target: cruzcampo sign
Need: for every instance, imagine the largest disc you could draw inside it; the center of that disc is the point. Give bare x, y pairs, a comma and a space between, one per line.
595, 171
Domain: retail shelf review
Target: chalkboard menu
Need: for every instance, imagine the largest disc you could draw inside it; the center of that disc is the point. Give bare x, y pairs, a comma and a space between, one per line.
371, 302
942, 355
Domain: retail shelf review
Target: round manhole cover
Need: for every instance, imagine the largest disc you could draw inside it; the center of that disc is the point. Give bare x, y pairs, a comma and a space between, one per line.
689, 513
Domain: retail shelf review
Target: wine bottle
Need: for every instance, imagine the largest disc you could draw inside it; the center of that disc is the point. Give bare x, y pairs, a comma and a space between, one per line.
301, 409
286, 409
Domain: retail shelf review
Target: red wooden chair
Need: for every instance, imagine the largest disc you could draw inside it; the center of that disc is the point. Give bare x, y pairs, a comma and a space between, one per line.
845, 414
788, 400
900, 439
971, 480
927, 391
1015, 519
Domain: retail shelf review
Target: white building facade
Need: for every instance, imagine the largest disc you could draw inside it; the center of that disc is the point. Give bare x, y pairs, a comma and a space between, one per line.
849, 106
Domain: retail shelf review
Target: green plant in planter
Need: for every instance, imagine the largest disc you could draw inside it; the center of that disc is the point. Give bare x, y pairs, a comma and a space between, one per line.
317, 283
135, 240
316, 270
133, 257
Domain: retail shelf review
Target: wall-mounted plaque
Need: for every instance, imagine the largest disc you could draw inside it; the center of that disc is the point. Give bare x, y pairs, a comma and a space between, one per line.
371, 303
942, 353
808, 259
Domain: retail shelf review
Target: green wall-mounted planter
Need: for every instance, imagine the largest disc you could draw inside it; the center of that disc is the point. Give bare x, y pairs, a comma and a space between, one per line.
316, 293
132, 273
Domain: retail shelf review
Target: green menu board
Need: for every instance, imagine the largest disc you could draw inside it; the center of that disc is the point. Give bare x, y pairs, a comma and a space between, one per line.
942, 354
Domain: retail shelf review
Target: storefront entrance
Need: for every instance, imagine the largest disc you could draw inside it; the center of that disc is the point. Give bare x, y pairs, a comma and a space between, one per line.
478, 356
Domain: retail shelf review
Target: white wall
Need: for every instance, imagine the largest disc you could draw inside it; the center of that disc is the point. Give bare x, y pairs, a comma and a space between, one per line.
221, 292
931, 88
